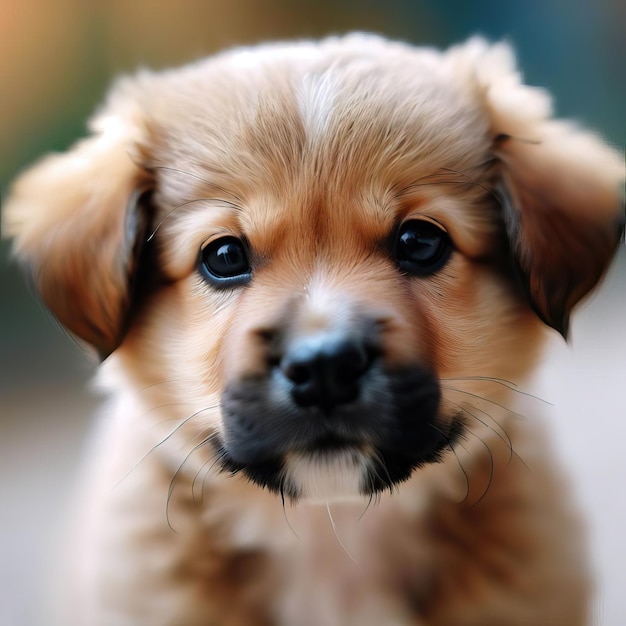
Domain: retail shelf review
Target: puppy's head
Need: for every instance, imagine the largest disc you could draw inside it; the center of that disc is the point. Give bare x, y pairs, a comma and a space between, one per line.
312, 240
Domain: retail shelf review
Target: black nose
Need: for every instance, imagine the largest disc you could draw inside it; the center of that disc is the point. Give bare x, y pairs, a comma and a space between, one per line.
325, 370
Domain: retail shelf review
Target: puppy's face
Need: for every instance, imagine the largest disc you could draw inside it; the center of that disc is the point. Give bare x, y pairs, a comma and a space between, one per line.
336, 332
331, 237
326, 292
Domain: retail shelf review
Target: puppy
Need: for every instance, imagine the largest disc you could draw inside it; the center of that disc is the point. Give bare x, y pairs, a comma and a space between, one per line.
316, 274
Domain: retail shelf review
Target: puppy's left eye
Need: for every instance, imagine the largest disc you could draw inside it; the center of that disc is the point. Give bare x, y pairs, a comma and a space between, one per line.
224, 262
422, 247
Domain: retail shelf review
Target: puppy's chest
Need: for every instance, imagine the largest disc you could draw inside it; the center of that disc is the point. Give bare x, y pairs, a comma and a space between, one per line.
330, 566
398, 562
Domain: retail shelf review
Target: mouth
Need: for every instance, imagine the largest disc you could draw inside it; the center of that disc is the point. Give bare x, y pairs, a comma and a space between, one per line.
331, 460
338, 468
331, 444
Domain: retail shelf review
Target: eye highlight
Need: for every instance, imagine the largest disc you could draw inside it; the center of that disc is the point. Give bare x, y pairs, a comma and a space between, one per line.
422, 247
224, 262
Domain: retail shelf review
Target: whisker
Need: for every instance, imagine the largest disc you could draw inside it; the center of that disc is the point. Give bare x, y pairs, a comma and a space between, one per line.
508, 440
282, 498
332, 523
456, 456
474, 395
177, 473
369, 502
218, 457
160, 443
466, 477
195, 478
504, 381
491, 471
501, 381
505, 439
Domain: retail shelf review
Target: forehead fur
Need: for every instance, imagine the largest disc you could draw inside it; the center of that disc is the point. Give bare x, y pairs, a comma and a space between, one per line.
290, 134
306, 113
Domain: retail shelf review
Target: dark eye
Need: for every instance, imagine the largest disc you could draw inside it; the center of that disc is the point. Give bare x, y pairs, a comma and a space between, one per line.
422, 247
224, 262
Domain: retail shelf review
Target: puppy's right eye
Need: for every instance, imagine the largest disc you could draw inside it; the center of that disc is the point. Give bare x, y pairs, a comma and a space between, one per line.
224, 262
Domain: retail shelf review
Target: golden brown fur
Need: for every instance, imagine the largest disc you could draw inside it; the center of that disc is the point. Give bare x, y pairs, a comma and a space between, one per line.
315, 153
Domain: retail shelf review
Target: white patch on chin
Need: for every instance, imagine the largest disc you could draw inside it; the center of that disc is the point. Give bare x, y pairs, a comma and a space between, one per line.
328, 476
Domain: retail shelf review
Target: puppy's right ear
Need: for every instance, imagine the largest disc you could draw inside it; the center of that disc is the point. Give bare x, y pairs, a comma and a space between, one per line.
78, 224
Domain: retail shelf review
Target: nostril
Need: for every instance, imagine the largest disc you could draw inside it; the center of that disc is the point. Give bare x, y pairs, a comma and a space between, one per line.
325, 371
298, 373
300, 363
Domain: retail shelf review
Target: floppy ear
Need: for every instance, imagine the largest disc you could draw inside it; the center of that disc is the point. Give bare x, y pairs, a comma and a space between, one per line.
561, 189
563, 216
78, 224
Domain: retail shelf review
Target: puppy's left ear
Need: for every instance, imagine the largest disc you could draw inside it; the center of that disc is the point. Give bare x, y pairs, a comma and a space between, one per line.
78, 225
561, 189
560, 194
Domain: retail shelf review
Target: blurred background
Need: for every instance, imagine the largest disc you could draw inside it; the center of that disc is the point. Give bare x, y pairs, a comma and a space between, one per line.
56, 60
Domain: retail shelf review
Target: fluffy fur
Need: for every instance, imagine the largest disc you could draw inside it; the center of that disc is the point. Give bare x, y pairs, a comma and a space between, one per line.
424, 498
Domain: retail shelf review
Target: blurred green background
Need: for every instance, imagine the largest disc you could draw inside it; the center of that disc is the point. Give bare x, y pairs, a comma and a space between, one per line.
57, 58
